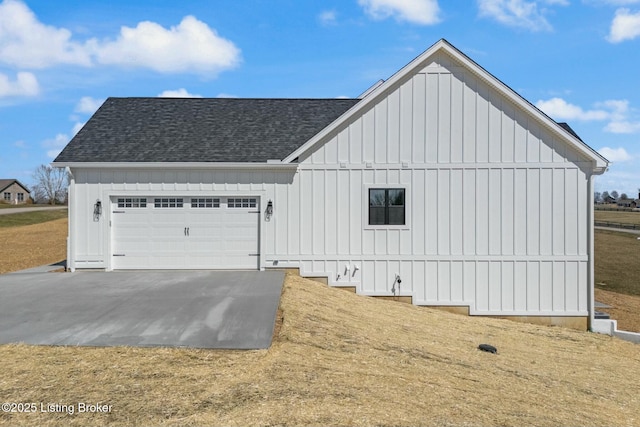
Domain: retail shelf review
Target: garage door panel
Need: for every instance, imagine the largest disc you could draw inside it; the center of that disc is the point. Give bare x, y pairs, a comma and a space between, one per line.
169, 234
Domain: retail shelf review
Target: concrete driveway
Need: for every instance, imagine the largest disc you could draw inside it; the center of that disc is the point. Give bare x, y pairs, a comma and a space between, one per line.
201, 309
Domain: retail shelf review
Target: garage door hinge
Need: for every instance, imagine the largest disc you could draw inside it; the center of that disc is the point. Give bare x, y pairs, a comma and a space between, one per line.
254, 254
119, 211
118, 254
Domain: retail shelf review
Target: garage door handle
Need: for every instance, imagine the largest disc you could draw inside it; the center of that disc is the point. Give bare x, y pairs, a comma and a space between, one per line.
186, 231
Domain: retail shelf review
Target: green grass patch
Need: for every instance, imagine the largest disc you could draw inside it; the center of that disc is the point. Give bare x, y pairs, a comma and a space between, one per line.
28, 218
617, 262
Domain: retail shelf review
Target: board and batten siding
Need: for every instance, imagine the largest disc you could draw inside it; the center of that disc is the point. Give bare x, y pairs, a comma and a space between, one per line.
496, 205
89, 239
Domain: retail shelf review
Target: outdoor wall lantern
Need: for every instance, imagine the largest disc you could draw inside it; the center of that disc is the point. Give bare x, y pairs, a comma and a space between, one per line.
97, 210
269, 211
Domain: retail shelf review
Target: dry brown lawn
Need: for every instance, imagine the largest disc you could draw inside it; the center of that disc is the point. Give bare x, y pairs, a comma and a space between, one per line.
337, 359
618, 216
617, 262
343, 359
624, 308
33, 245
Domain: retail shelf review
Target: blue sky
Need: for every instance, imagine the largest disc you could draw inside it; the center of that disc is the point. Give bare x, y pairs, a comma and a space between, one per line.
577, 60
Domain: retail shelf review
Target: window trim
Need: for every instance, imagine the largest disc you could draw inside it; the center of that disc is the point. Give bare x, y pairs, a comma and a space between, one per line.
7, 193
133, 202
407, 207
172, 202
252, 202
204, 202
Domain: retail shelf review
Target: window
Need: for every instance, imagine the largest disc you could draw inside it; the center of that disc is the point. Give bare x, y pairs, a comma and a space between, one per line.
242, 203
21, 197
170, 202
205, 203
386, 206
133, 202
7, 197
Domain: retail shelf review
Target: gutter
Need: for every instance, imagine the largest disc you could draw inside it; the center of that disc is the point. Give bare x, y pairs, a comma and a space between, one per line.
269, 165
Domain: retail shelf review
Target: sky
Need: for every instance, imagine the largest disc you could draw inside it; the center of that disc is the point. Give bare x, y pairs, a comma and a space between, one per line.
576, 60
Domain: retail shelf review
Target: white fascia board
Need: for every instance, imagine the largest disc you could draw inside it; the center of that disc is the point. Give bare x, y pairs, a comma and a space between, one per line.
176, 165
600, 163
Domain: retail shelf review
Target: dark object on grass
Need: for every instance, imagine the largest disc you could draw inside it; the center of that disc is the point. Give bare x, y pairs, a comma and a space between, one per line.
488, 348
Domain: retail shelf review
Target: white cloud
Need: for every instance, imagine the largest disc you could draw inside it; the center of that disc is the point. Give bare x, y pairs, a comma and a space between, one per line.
328, 17
26, 42
88, 105
25, 84
518, 13
623, 127
76, 128
560, 109
615, 111
179, 93
615, 154
55, 145
625, 26
424, 12
191, 46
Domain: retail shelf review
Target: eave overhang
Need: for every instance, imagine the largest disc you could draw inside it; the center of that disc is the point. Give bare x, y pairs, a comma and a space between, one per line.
177, 165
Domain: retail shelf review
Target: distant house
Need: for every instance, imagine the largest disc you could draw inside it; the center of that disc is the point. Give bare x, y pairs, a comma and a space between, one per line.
13, 191
628, 203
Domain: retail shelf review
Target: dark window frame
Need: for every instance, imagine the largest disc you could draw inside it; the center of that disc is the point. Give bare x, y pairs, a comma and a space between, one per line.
168, 202
132, 202
242, 202
385, 207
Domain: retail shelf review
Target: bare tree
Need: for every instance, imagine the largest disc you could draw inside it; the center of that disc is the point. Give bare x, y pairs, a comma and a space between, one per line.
614, 194
624, 196
50, 184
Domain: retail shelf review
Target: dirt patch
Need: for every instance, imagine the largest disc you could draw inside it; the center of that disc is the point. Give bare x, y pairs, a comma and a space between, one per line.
624, 308
343, 359
33, 245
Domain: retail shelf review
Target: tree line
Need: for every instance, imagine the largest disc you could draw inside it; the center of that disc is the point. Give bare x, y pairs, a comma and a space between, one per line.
606, 197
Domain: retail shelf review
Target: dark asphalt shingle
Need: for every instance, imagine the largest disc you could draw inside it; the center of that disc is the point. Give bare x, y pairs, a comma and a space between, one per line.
200, 129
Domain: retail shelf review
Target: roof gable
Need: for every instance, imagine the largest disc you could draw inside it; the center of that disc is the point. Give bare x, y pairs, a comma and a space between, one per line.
5, 183
200, 129
561, 131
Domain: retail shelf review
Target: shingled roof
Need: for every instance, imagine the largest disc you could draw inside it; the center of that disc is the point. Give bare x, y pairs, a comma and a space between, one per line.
200, 129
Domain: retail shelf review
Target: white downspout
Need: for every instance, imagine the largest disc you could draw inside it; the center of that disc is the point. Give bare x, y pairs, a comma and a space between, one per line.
71, 205
591, 279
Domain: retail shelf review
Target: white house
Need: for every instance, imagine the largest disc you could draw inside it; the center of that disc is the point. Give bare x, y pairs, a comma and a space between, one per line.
440, 185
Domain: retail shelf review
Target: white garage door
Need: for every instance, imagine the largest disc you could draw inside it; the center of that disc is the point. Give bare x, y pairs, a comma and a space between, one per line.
185, 232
